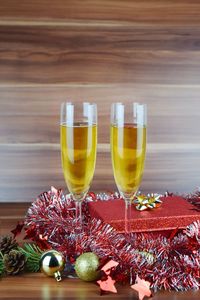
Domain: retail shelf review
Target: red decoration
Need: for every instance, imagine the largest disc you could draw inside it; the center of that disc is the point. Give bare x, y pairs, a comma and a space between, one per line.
167, 263
175, 212
18, 229
109, 266
195, 199
142, 287
107, 285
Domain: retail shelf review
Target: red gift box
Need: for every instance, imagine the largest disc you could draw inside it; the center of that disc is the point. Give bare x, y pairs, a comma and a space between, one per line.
175, 212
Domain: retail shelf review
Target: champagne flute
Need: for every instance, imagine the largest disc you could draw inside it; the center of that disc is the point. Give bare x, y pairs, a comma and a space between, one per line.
78, 138
128, 149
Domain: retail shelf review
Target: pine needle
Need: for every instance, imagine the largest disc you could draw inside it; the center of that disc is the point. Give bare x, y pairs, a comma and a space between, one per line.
1, 267
33, 254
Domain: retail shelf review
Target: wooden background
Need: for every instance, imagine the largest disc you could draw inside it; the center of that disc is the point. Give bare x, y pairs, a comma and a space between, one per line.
102, 51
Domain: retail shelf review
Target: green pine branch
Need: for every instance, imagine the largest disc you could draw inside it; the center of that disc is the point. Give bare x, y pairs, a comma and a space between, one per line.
1, 264
33, 254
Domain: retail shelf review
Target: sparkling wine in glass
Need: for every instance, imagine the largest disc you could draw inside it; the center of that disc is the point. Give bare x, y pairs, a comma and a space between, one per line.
78, 138
128, 149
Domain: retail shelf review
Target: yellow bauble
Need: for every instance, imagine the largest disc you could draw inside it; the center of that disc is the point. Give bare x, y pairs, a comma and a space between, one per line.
52, 263
86, 266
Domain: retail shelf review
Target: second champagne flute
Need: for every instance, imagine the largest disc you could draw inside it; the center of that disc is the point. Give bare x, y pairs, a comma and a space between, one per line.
128, 149
78, 137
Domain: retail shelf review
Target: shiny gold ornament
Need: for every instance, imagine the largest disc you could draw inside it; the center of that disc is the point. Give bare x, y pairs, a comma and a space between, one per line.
86, 266
52, 263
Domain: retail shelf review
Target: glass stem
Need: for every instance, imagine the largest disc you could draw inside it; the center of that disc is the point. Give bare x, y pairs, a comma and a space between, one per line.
127, 216
78, 216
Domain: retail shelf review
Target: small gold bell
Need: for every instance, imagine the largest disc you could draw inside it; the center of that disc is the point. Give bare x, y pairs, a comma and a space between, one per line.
52, 263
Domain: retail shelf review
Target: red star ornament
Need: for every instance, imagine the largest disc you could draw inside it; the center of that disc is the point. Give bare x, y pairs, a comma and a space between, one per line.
142, 287
18, 229
107, 268
107, 285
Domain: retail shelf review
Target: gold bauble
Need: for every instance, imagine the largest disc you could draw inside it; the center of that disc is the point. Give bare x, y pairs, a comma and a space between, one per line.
86, 266
52, 263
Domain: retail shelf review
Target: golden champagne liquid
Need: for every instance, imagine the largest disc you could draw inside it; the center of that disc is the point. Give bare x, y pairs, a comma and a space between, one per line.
128, 149
78, 151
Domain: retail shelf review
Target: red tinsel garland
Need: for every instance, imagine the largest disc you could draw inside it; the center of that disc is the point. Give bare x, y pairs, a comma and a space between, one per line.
169, 263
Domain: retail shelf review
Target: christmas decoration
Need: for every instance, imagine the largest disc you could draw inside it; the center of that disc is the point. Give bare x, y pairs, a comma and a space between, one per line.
166, 262
18, 229
33, 255
14, 262
149, 201
7, 243
106, 282
52, 263
194, 198
1, 264
142, 287
50, 219
69, 270
109, 266
193, 231
164, 218
86, 266
107, 285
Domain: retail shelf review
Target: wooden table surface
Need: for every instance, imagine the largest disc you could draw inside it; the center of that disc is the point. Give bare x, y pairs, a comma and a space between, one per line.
38, 286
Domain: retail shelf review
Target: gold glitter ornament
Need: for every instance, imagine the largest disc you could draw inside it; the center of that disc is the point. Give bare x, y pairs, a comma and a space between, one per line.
52, 263
86, 266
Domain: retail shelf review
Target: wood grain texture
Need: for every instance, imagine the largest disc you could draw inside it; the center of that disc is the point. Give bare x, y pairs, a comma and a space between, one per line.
27, 129
102, 51
98, 55
30, 170
31, 114
44, 100
149, 11
37, 286
10, 215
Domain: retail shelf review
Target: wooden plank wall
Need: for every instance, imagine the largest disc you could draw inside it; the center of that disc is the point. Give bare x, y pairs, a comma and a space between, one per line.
102, 51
